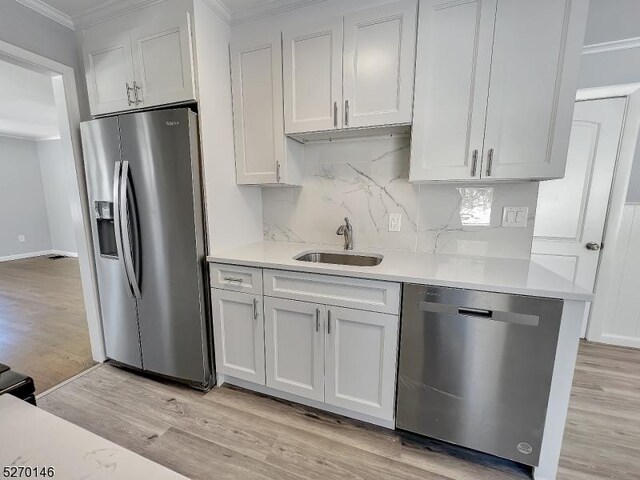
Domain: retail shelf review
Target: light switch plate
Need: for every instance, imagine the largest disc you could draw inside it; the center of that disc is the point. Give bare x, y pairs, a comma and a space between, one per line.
515, 217
395, 222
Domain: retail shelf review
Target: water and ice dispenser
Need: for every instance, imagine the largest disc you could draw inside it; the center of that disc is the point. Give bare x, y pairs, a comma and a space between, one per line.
106, 229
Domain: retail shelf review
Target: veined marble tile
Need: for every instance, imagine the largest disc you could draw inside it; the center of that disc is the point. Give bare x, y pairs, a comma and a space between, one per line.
366, 180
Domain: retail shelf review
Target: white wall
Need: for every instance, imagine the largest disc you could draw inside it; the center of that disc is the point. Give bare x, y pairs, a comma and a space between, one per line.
25, 28
22, 201
234, 213
56, 193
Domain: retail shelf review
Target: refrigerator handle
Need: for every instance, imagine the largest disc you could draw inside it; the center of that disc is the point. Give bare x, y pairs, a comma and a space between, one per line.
117, 225
126, 233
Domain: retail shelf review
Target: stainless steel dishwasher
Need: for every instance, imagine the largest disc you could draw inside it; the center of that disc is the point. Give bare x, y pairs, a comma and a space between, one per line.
475, 368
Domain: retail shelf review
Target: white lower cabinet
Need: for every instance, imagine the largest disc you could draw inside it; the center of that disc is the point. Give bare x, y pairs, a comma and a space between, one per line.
294, 341
238, 327
360, 361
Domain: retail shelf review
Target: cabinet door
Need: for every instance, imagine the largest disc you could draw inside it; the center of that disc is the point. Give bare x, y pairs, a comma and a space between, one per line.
379, 63
312, 56
452, 83
238, 332
162, 59
294, 335
360, 362
109, 70
534, 73
256, 68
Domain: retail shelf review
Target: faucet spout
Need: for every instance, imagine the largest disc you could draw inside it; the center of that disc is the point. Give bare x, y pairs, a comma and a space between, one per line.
347, 231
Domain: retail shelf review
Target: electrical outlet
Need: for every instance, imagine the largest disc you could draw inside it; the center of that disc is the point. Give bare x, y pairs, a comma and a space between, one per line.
515, 217
22, 238
395, 222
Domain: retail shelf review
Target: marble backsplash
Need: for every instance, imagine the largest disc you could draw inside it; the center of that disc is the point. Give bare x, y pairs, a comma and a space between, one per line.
366, 180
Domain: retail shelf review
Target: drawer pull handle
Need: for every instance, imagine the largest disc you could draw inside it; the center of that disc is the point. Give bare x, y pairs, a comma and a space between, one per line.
255, 308
317, 319
233, 280
329, 322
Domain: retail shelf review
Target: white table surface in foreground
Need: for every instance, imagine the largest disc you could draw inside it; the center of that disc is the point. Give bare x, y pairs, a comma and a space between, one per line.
32, 437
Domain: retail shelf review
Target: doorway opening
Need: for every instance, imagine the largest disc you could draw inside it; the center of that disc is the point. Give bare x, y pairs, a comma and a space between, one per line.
49, 316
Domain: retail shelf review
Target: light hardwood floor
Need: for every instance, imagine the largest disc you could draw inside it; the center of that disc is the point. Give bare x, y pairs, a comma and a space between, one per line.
43, 326
229, 433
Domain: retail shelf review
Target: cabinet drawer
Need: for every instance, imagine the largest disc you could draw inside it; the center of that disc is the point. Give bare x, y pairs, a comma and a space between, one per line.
357, 293
233, 277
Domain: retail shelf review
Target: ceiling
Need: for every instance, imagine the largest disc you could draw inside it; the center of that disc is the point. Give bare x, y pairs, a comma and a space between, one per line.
27, 107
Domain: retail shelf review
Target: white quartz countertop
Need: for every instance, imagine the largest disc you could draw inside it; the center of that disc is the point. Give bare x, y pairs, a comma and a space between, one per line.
521, 277
31, 437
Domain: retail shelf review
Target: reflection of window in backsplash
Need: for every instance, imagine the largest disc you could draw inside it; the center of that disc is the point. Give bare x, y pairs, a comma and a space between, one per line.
366, 180
475, 206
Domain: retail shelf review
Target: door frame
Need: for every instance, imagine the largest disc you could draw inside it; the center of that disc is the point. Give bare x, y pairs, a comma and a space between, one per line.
626, 153
65, 94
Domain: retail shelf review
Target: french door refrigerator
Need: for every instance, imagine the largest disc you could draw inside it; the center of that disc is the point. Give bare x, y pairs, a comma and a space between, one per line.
143, 178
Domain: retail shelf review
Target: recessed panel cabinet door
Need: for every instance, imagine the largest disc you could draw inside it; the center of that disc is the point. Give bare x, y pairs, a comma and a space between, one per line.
361, 359
110, 73
256, 73
238, 327
312, 56
162, 59
379, 59
534, 75
294, 337
452, 83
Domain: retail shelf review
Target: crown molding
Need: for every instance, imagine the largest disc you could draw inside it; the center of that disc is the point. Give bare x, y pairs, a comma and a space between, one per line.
219, 8
604, 47
109, 10
268, 9
49, 12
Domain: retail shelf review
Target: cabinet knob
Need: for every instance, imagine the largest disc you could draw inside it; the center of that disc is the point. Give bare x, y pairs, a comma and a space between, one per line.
593, 246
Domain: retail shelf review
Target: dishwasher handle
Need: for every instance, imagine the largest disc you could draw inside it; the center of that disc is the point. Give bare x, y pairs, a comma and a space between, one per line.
475, 312
525, 319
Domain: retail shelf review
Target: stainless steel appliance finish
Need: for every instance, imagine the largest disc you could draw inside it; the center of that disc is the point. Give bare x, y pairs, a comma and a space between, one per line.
144, 167
475, 368
340, 258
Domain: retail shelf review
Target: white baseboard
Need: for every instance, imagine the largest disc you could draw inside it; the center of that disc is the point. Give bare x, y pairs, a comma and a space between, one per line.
21, 256
64, 253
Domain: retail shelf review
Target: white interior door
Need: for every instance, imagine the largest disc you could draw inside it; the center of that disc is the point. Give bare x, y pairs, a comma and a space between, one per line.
379, 60
452, 85
312, 70
294, 336
572, 211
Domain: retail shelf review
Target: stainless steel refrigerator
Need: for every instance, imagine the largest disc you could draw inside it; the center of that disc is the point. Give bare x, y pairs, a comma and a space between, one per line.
143, 177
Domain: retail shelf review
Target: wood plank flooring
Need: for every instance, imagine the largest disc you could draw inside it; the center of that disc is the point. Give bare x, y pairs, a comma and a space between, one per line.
43, 326
230, 433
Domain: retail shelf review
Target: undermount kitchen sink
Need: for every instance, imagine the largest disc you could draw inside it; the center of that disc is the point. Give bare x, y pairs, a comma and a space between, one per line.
340, 258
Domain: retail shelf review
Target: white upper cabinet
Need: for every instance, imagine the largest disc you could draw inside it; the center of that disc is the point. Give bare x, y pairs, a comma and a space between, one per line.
349, 72
162, 57
452, 85
534, 74
140, 60
110, 72
378, 65
495, 88
313, 76
294, 347
263, 154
